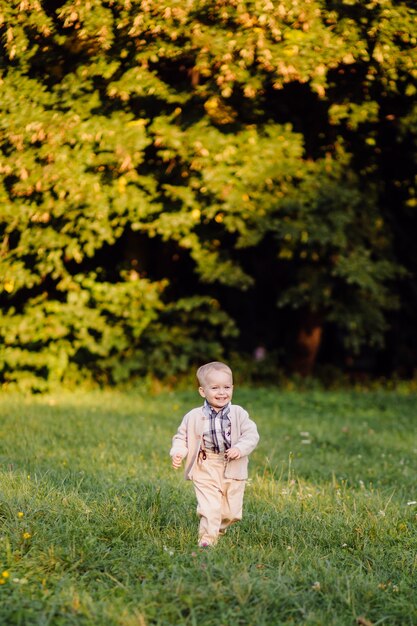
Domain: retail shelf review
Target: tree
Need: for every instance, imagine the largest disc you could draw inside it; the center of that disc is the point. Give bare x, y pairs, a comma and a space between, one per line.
227, 137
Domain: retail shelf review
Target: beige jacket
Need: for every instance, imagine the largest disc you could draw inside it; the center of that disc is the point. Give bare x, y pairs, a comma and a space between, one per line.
188, 439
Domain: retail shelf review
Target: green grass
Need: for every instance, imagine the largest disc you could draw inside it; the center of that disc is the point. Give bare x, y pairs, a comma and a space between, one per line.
108, 531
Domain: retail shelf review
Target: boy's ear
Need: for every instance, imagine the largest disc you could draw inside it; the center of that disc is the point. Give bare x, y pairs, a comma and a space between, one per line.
201, 392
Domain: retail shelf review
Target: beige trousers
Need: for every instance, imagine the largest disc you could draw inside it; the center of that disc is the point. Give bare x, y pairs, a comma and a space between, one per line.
219, 499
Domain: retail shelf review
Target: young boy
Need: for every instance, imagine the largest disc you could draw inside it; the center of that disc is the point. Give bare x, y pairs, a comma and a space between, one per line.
216, 440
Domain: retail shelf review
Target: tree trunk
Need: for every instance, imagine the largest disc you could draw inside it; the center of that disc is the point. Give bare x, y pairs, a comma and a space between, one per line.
308, 342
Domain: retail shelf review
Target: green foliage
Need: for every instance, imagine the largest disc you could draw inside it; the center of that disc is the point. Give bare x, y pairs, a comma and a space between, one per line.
96, 326
219, 129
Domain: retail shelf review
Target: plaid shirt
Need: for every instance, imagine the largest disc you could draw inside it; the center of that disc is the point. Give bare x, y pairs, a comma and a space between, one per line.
216, 435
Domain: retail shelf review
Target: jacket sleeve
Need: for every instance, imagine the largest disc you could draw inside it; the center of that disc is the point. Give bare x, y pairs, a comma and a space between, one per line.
249, 437
180, 439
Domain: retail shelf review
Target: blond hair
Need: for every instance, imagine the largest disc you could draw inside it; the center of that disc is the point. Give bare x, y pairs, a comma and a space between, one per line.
215, 366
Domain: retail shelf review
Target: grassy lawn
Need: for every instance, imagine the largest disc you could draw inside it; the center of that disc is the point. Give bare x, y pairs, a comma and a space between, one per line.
97, 529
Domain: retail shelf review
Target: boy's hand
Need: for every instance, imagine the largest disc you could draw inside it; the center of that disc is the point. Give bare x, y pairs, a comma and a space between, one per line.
176, 461
233, 453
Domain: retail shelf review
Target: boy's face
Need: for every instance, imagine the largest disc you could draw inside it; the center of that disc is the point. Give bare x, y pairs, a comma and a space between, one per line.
217, 389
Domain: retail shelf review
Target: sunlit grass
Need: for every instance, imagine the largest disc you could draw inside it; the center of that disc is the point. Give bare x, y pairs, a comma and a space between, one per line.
97, 529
